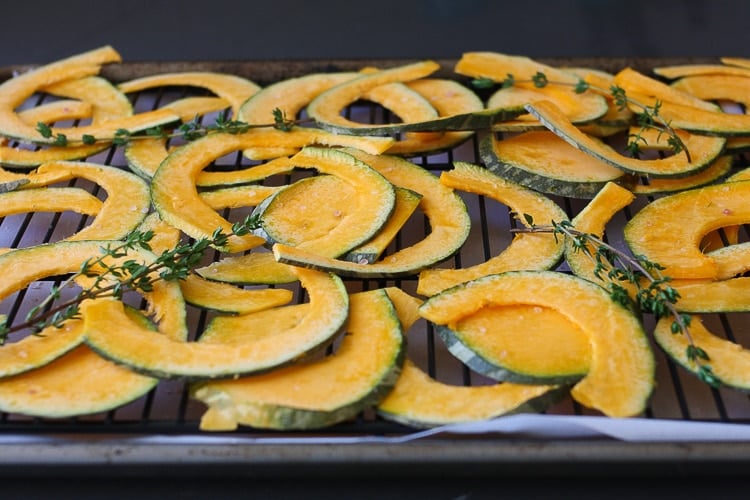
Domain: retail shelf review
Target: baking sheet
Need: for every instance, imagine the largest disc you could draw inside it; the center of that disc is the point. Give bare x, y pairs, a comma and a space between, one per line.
682, 410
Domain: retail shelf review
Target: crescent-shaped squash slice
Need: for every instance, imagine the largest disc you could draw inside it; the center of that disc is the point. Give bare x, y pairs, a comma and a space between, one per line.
327, 214
236, 345
449, 224
703, 149
417, 400
620, 378
729, 361
362, 369
27, 265
173, 187
674, 242
255, 268
78, 383
542, 161
526, 250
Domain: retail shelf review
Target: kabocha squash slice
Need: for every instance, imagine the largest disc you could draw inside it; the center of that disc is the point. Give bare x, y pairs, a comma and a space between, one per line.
715, 172
238, 196
173, 186
636, 83
679, 71
728, 295
620, 379
522, 344
102, 99
703, 149
125, 207
14, 91
290, 97
592, 219
729, 361
717, 87
449, 98
449, 224
145, 154
526, 250
227, 298
674, 242
237, 345
24, 266
406, 204
363, 368
578, 107
249, 175
234, 89
319, 214
78, 383
542, 161
325, 109
617, 118
255, 268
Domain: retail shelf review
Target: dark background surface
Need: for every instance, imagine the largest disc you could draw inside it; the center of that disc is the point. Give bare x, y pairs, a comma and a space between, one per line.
36, 32
42, 31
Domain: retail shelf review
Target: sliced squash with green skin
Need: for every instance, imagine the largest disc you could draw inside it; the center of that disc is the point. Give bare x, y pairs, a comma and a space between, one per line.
14, 91
542, 161
249, 175
100, 96
234, 89
703, 149
238, 347
617, 118
49, 200
125, 207
238, 196
729, 361
320, 393
620, 379
578, 107
592, 219
563, 98
636, 83
716, 87
728, 295
25, 266
719, 169
255, 268
224, 297
146, 154
676, 71
173, 187
325, 108
318, 214
78, 383
449, 224
406, 204
523, 344
448, 98
290, 96
731, 260
526, 250
674, 242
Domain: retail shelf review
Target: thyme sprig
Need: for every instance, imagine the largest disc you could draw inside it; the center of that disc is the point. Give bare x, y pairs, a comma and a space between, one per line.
112, 276
653, 293
188, 131
648, 117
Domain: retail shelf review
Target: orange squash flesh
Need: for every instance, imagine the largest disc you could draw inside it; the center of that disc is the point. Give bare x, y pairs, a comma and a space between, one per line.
620, 379
674, 242
363, 368
526, 250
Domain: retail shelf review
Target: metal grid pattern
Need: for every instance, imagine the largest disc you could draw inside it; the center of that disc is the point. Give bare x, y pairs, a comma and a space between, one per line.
168, 410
